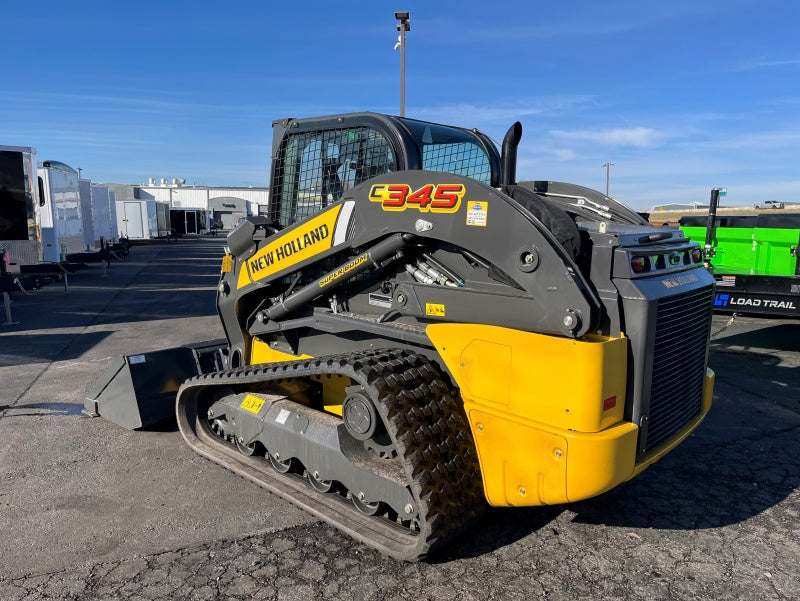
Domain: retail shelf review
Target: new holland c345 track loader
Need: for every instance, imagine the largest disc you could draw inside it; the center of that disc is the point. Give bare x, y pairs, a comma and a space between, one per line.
412, 333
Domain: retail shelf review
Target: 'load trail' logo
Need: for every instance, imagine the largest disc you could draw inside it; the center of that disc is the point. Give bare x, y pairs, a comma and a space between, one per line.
729, 300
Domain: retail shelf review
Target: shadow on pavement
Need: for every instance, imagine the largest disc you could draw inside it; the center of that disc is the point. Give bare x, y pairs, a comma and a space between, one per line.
24, 349
497, 528
783, 337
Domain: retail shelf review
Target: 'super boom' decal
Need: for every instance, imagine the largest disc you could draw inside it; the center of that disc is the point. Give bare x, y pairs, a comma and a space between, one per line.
436, 198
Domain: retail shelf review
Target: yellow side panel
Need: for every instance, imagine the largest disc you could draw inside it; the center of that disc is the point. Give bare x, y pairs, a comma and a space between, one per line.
333, 392
600, 461
546, 412
332, 386
260, 352
570, 384
529, 466
492, 382
524, 463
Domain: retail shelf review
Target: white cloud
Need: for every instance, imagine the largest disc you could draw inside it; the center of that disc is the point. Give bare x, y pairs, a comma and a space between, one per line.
640, 137
476, 115
761, 63
563, 154
788, 136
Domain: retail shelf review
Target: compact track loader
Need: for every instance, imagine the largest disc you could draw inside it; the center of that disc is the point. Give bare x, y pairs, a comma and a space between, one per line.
412, 333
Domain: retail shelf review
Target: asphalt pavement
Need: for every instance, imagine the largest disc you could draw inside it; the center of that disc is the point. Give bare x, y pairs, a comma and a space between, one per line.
89, 510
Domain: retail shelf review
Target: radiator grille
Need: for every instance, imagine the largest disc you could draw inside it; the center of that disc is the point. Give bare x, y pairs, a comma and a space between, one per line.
683, 324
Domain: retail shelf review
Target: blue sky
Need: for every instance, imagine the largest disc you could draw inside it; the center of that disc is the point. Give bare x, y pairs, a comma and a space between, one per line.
680, 96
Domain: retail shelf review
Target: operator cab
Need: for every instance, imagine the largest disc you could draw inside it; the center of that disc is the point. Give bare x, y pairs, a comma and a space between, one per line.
317, 160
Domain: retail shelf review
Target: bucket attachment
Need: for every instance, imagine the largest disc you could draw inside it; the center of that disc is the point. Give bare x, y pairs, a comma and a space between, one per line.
139, 390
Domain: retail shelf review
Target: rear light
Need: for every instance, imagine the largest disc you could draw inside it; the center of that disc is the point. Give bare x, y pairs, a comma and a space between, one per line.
697, 256
640, 264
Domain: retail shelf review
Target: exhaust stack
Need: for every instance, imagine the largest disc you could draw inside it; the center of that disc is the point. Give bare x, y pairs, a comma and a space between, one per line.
508, 157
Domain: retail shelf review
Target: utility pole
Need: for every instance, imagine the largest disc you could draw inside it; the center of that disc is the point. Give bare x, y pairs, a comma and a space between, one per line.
608, 173
403, 25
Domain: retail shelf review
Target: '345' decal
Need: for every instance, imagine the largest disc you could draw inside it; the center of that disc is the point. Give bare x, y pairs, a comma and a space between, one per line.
438, 198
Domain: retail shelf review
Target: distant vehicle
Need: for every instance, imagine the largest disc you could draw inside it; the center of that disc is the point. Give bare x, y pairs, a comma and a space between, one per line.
753, 259
769, 204
59, 213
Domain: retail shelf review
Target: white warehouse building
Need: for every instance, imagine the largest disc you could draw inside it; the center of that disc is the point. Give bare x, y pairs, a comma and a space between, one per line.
225, 205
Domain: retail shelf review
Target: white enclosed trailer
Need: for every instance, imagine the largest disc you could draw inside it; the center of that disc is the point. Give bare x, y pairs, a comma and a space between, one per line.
163, 218
104, 214
19, 201
85, 191
59, 211
137, 219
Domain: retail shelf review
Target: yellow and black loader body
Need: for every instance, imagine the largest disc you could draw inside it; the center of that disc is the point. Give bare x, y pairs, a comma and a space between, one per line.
411, 331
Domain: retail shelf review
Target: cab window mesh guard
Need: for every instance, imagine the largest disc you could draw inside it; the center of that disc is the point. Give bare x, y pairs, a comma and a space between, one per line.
319, 166
465, 159
451, 150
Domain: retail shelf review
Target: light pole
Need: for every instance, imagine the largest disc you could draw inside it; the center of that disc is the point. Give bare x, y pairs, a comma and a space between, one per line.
608, 172
403, 25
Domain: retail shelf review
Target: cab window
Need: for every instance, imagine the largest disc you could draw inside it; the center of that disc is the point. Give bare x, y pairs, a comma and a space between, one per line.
319, 166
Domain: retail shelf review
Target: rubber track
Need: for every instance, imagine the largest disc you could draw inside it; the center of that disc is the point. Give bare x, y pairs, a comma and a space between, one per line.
424, 418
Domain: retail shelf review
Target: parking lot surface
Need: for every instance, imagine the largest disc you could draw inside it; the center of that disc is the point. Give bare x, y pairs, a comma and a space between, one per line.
89, 510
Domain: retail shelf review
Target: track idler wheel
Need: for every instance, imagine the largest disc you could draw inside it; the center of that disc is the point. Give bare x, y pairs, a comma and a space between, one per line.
363, 506
245, 449
317, 484
282, 466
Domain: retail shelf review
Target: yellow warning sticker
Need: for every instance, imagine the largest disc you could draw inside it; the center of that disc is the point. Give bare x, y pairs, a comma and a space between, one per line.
477, 213
434, 309
251, 403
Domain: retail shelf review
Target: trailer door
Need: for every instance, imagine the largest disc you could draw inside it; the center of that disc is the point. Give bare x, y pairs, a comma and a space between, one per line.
134, 226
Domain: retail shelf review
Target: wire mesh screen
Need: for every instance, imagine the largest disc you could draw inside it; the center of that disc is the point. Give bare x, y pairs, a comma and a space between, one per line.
463, 158
319, 166
451, 149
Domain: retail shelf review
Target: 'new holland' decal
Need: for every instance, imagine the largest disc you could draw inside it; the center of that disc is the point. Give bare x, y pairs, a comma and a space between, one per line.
314, 236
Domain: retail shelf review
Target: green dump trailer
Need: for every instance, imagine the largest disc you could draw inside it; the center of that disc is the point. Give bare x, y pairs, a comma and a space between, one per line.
753, 259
